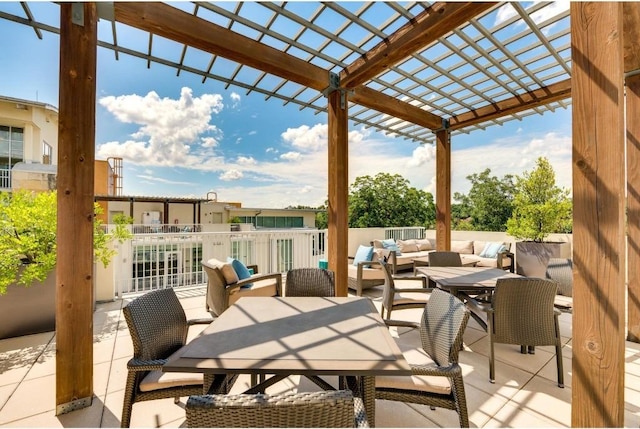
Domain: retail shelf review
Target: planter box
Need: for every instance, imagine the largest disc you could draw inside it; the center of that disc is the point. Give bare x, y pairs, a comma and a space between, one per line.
532, 257
29, 310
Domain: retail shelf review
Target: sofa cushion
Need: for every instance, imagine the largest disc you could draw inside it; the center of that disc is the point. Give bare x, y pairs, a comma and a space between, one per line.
491, 249
408, 246
364, 253
426, 244
462, 246
390, 244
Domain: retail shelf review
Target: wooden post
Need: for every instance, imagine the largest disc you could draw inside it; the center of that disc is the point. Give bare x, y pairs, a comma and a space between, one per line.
633, 206
598, 218
443, 189
338, 172
76, 153
632, 65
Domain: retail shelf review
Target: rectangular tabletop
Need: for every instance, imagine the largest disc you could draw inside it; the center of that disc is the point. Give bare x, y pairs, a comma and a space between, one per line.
310, 335
455, 279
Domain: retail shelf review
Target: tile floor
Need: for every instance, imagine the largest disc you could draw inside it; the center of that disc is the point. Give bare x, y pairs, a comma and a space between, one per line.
525, 393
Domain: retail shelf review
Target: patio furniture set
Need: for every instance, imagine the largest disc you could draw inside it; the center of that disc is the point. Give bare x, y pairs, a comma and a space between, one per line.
401, 255
307, 331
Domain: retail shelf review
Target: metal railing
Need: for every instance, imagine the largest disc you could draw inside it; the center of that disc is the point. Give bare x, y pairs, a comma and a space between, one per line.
160, 258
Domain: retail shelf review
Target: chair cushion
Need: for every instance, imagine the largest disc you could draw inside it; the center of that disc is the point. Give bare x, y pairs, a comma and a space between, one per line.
156, 380
563, 301
241, 270
364, 253
367, 273
423, 383
265, 287
230, 276
491, 249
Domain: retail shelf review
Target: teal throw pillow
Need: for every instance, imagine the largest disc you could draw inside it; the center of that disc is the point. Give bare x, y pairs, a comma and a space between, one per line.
491, 250
390, 244
241, 270
364, 253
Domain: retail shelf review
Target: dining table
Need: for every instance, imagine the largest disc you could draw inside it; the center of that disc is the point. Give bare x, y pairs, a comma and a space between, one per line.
465, 283
468, 279
275, 337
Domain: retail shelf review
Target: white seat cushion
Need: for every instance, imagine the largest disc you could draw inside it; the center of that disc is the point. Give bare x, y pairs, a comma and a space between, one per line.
156, 380
265, 287
415, 355
563, 301
367, 273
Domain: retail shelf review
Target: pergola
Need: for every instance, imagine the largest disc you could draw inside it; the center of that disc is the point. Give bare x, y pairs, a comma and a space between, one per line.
421, 71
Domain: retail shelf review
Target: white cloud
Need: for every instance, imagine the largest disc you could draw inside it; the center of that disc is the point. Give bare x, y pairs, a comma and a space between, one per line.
153, 179
168, 127
291, 156
209, 142
252, 133
235, 100
422, 154
271, 150
311, 139
504, 13
246, 160
231, 175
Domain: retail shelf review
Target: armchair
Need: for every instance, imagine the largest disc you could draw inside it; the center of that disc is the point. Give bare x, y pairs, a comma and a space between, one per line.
223, 289
158, 328
436, 378
394, 298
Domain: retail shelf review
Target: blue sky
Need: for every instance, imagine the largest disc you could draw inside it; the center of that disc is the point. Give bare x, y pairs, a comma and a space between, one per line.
180, 137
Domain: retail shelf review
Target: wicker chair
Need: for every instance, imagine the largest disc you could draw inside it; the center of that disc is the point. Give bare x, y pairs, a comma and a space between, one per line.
221, 295
329, 409
394, 298
437, 378
521, 312
444, 259
561, 270
310, 282
158, 328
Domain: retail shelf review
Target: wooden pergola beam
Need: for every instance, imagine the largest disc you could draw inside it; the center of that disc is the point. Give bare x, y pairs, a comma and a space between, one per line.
538, 97
631, 23
182, 27
435, 22
376, 100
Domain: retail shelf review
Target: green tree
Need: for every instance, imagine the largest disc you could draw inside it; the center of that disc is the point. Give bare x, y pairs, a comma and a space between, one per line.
489, 202
539, 206
389, 201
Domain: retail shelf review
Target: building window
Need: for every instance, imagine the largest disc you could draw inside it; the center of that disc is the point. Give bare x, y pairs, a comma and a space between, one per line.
47, 151
11, 152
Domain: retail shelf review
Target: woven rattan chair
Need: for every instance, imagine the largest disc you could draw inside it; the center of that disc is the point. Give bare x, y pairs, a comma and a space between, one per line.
561, 270
521, 312
444, 259
328, 409
310, 282
221, 295
394, 298
158, 328
437, 378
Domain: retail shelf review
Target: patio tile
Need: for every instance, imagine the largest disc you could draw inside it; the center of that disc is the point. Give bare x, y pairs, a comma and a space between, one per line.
631, 419
32, 397
550, 372
511, 416
540, 397
6, 392
117, 375
394, 414
18, 354
45, 364
632, 393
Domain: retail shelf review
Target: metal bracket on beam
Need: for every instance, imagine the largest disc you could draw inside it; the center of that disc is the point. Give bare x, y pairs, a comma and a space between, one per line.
445, 126
77, 14
73, 405
105, 10
631, 73
334, 85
